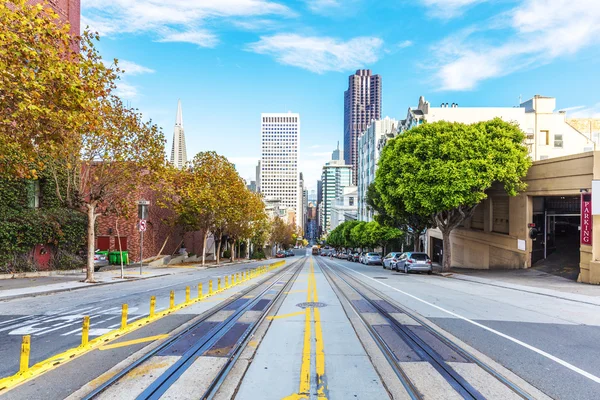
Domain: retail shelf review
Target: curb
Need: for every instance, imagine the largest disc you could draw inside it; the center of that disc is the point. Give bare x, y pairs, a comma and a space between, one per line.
526, 289
35, 294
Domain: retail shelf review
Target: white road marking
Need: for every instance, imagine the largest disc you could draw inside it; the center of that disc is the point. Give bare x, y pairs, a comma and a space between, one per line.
505, 336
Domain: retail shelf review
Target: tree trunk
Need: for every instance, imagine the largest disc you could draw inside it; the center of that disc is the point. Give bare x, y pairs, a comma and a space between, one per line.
218, 251
91, 208
232, 251
447, 253
204, 247
417, 239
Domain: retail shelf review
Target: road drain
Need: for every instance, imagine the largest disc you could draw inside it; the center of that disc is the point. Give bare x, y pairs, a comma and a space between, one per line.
311, 304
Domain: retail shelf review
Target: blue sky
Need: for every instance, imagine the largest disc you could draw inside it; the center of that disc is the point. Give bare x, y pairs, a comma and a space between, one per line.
230, 60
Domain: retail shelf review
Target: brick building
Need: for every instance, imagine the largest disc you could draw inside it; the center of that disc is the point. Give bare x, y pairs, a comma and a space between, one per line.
68, 10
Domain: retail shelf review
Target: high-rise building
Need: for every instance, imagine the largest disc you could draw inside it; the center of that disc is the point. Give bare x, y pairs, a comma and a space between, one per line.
362, 104
336, 153
69, 11
258, 177
178, 150
303, 203
280, 141
335, 177
369, 150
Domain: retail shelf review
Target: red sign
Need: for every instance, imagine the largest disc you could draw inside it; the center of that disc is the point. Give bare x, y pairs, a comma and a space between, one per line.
143, 225
586, 218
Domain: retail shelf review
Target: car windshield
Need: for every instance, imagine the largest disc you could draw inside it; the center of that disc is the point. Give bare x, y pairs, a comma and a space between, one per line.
419, 256
372, 254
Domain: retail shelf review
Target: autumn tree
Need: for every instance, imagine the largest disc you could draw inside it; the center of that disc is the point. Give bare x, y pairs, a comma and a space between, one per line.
443, 170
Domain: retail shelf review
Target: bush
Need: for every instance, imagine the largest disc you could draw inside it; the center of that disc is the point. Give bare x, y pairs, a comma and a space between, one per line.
64, 260
18, 263
258, 255
227, 254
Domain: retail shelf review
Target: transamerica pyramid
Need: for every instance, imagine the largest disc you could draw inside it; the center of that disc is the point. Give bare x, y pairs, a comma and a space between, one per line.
178, 151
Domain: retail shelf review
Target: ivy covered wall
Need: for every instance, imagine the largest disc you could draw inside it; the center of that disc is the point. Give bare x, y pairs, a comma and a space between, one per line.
31, 215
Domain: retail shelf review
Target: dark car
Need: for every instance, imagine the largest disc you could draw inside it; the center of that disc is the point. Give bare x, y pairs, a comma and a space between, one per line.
289, 253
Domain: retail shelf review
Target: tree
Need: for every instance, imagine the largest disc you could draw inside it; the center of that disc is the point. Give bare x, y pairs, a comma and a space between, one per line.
50, 84
395, 215
443, 170
281, 233
381, 235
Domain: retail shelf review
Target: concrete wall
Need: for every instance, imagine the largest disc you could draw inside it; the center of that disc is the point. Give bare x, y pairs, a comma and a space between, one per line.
484, 249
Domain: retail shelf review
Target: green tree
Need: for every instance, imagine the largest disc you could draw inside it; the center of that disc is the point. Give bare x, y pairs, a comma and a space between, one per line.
381, 235
395, 215
443, 170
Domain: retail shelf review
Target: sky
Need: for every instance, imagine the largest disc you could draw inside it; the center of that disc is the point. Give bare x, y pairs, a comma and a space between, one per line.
230, 60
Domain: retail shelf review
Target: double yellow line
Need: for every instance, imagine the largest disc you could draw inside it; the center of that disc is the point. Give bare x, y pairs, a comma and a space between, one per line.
310, 314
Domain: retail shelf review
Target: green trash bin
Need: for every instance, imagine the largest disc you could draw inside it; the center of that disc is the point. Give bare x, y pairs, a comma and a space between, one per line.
112, 257
123, 254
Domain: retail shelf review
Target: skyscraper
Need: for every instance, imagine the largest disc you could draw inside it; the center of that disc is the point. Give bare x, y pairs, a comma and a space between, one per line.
362, 103
336, 153
258, 177
280, 141
178, 150
335, 177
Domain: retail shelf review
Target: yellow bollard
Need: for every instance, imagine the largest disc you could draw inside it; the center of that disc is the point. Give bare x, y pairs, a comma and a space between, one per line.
124, 316
172, 300
152, 306
210, 289
199, 290
187, 294
25, 349
232, 279
85, 331
239, 278
226, 282
218, 284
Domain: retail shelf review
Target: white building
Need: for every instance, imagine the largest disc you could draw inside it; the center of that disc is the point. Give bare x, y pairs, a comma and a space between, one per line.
335, 177
345, 207
368, 156
548, 133
280, 141
178, 150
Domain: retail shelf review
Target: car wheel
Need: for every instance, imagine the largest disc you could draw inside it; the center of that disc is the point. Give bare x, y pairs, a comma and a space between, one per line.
384, 266
429, 272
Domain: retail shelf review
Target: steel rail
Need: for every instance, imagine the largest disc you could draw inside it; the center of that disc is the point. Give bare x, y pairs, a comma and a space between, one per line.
516, 389
169, 342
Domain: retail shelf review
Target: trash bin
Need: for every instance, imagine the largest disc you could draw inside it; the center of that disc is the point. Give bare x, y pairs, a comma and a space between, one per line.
123, 254
112, 257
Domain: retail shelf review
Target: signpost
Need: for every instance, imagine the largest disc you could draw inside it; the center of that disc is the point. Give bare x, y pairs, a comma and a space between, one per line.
143, 216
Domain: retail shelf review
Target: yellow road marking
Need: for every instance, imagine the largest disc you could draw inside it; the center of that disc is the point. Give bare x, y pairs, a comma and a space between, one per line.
304, 390
130, 342
285, 315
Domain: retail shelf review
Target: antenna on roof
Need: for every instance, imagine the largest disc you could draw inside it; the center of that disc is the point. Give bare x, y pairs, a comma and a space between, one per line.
520, 101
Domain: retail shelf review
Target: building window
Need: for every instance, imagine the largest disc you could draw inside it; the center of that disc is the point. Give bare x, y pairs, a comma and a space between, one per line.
351, 201
546, 134
33, 194
558, 141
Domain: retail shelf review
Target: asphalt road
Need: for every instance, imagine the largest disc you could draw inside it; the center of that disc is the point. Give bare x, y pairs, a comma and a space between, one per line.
553, 344
54, 320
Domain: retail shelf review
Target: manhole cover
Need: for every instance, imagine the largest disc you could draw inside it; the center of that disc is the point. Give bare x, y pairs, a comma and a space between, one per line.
311, 304
379, 277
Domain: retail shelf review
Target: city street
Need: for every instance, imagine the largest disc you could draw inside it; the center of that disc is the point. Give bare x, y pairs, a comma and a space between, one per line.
327, 328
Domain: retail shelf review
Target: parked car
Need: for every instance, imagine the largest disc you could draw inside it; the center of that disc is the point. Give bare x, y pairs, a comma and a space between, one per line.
280, 254
100, 260
419, 262
361, 257
342, 255
355, 256
372, 258
289, 253
391, 259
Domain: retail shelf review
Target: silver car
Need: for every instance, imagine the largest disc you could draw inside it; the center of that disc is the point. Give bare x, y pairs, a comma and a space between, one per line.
372, 258
419, 262
391, 259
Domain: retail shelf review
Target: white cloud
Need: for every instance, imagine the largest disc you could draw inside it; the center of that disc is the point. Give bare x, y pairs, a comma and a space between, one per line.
126, 90
172, 20
404, 44
201, 38
531, 34
319, 6
449, 8
319, 54
132, 68
583, 111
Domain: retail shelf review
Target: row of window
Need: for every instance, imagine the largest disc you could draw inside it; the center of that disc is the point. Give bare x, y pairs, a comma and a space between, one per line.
280, 119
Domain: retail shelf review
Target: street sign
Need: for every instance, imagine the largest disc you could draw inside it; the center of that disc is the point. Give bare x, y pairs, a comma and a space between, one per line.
142, 225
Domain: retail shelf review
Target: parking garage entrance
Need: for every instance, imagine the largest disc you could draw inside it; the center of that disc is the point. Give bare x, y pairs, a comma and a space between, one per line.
556, 236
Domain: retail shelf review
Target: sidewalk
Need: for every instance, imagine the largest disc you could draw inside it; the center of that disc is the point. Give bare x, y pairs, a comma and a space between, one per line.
35, 286
532, 281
